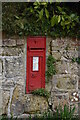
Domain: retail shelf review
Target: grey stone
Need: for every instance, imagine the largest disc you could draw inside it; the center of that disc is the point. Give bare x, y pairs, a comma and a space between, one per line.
17, 108
9, 42
8, 83
62, 67
5, 101
70, 54
65, 81
56, 55
12, 51
20, 42
27, 103
36, 104
13, 67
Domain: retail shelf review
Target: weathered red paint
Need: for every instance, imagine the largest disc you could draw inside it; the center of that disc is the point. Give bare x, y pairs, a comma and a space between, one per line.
36, 49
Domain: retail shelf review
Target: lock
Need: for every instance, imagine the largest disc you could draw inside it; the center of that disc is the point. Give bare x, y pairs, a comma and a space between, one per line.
33, 75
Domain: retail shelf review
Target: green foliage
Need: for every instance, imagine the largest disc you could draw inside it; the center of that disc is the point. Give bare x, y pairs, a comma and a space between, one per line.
76, 60
51, 70
65, 113
40, 18
41, 92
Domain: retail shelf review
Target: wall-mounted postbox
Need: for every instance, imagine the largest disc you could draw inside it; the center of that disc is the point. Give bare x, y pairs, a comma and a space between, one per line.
36, 56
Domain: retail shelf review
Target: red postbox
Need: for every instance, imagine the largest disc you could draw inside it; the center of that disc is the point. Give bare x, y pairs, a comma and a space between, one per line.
36, 57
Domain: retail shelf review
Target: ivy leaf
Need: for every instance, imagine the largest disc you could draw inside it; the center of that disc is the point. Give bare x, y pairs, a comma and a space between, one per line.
21, 26
41, 14
43, 3
16, 17
73, 24
36, 3
20, 33
59, 18
47, 13
72, 15
68, 27
54, 20
62, 18
63, 13
31, 10
63, 24
67, 22
59, 8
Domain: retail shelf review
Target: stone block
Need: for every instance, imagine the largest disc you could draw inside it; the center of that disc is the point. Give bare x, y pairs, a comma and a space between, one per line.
36, 104
64, 44
55, 43
20, 80
62, 67
67, 67
12, 51
74, 68
70, 54
8, 42
61, 42
27, 103
5, 98
65, 82
57, 48
17, 108
8, 83
14, 67
56, 55
20, 41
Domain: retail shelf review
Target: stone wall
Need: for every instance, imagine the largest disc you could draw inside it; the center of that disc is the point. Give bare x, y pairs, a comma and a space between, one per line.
63, 86
13, 70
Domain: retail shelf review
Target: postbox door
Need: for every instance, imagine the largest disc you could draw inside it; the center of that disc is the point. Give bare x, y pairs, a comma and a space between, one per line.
36, 49
36, 73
